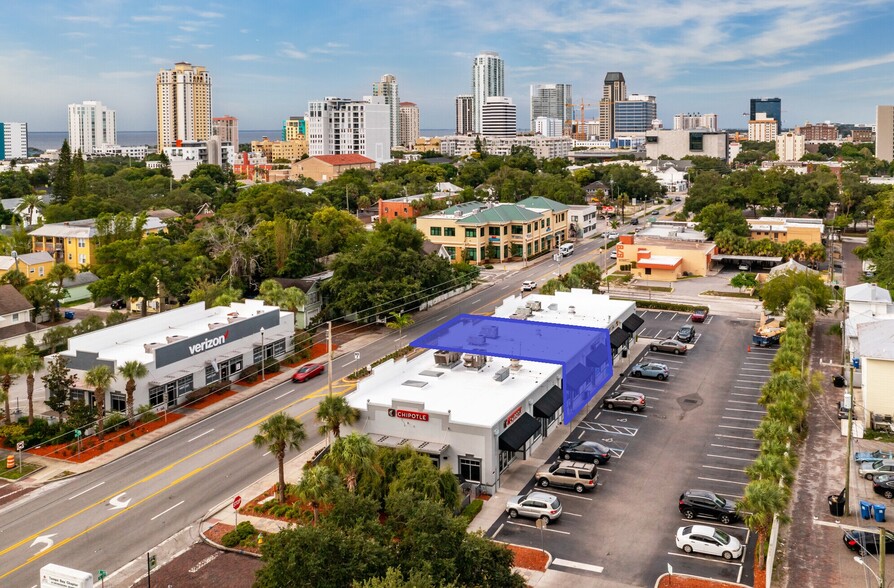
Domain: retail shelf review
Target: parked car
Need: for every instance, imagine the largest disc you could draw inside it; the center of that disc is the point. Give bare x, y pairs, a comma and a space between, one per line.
884, 487
612, 235
650, 370
699, 316
118, 304
669, 346
589, 451
864, 456
570, 474
535, 505
870, 470
528, 285
702, 503
686, 334
708, 540
308, 371
677, 199
864, 542
635, 401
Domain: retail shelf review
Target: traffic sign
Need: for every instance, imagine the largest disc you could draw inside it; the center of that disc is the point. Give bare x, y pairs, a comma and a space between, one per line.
356, 355
237, 502
20, 446
77, 432
102, 575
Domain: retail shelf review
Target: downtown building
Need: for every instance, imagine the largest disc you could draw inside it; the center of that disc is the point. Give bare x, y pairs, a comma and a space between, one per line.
884, 133
614, 90
91, 126
183, 105
635, 115
387, 89
790, 146
293, 128
499, 117
13, 140
818, 131
464, 114
769, 107
763, 128
342, 126
488, 80
227, 129
551, 101
409, 124
542, 146
695, 121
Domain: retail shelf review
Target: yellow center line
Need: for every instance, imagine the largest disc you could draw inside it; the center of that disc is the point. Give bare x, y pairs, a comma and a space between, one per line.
146, 479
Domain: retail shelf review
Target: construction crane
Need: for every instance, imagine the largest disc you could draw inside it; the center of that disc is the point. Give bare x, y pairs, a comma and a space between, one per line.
581, 133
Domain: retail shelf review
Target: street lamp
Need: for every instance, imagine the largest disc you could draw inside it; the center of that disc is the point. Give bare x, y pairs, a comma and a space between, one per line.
263, 353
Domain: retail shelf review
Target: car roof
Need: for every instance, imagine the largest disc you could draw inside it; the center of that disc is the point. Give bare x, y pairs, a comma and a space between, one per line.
536, 495
581, 465
700, 529
703, 493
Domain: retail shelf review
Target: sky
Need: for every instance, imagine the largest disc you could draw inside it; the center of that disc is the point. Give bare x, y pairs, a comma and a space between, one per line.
826, 59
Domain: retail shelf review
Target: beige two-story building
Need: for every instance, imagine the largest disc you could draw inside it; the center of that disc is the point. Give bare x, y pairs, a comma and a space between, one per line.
785, 230
478, 233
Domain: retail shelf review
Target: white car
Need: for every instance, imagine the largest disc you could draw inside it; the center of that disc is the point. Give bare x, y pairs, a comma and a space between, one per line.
535, 505
613, 254
528, 285
708, 540
612, 235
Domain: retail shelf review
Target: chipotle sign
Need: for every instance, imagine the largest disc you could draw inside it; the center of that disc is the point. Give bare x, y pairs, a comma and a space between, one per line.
410, 415
513, 416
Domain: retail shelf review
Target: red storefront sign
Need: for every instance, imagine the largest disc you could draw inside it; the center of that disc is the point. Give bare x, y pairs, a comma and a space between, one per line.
411, 415
512, 417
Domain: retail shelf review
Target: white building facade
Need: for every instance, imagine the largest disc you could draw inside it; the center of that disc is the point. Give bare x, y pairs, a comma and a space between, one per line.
90, 126
543, 147
340, 126
548, 127
884, 133
499, 118
685, 143
695, 121
387, 89
13, 140
789, 146
551, 101
487, 80
763, 129
409, 124
189, 155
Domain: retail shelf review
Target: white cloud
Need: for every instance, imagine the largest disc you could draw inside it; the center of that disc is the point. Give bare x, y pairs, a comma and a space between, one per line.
247, 57
203, 46
150, 18
289, 50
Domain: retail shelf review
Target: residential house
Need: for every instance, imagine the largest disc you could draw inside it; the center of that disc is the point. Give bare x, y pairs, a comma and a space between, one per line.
313, 304
15, 317
35, 266
875, 353
323, 168
866, 303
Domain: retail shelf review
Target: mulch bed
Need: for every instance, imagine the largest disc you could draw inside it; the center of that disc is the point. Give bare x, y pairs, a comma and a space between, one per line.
90, 447
528, 558
211, 399
684, 582
217, 532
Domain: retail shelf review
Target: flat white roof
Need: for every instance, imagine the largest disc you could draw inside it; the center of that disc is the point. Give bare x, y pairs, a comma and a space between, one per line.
590, 310
661, 260
671, 232
471, 396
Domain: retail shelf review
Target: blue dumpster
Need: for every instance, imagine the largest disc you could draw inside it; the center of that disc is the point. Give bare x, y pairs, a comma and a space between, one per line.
865, 510
879, 510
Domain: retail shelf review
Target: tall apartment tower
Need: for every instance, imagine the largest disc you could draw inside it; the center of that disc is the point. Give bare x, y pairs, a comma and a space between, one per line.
550, 101
884, 133
771, 107
464, 114
387, 88
409, 123
90, 126
339, 126
487, 80
13, 140
498, 117
183, 104
614, 90
226, 128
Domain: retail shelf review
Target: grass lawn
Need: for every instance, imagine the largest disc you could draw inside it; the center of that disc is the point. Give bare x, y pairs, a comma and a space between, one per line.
14, 473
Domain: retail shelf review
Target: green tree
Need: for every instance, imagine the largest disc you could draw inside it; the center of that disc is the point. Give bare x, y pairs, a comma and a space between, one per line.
317, 485
57, 337
763, 499
718, 217
132, 371
29, 364
57, 381
399, 321
777, 292
278, 434
589, 273
57, 275
28, 205
418, 475
62, 175
743, 280
99, 378
352, 457
14, 278
333, 412
9, 370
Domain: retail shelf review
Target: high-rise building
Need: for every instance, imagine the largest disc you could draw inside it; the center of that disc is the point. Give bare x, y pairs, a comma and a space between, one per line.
409, 123
90, 126
614, 90
13, 140
695, 121
771, 107
487, 80
499, 117
884, 133
387, 88
183, 104
635, 115
789, 146
763, 128
548, 127
551, 101
341, 126
293, 128
227, 129
818, 132
464, 114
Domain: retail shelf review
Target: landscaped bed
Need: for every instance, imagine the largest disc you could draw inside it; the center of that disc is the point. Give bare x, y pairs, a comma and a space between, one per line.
684, 581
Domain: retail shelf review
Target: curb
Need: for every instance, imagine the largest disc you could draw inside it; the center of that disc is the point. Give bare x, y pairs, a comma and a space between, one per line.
720, 583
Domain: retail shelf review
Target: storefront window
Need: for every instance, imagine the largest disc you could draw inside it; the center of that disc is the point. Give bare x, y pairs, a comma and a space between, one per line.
184, 385
156, 395
505, 459
119, 402
470, 469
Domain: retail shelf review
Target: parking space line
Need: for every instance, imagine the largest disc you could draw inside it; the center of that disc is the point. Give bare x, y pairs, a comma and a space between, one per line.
736, 497
723, 481
599, 427
748, 459
741, 419
734, 437
734, 447
722, 468
747, 387
761, 369
708, 320
533, 527
658, 333
627, 412
639, 387
560, 492
744, 410
580, 566
737, 428
740, 402
659, 315
707, 559
758, 361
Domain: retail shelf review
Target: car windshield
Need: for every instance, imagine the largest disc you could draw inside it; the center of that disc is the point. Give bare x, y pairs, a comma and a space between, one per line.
305, 369
876, 464
722, 537
554, 504
719, 501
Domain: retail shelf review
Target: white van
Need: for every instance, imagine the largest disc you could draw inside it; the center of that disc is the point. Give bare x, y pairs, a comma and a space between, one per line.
566, 249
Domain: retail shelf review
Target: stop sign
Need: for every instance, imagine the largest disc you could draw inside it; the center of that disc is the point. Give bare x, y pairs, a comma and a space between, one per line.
237, 502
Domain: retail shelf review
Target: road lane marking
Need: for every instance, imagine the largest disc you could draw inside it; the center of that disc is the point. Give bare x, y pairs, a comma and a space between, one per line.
283, 395
577, 565
200, 435
205, 562
87, 490
266, 454
167, 511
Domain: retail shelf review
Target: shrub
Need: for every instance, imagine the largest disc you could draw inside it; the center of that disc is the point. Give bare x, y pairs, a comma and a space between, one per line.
471, 510
115, 421
271, 366
237, 536
249, 374
489, 266
12, 433
146, 414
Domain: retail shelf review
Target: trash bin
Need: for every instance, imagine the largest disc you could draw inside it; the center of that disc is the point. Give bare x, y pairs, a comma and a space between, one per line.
865, 510
879, 510
838, 381
69, 314
836, 506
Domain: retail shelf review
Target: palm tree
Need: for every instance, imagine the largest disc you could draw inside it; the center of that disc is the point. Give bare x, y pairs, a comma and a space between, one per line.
763, 499
770, 431
399, 321
132, 370
773, 467
29, 364
100, 378
317, 484
271, 292
333, 412
278, 434
8, 373
30, 203
352, 456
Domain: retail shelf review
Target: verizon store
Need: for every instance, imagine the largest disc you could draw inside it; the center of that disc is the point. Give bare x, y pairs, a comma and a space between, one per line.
184, 349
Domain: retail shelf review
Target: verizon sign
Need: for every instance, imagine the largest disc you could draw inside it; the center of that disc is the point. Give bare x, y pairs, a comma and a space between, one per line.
411, 415
209, 343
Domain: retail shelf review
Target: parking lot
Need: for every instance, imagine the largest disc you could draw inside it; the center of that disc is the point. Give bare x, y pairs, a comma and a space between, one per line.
696, 432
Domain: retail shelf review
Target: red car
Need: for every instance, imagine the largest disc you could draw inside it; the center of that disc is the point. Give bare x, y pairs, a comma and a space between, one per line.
308, 371
699, 316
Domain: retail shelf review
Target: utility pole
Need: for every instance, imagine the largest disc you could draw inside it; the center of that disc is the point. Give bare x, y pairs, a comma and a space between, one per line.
881, 557
850, 439
329, 350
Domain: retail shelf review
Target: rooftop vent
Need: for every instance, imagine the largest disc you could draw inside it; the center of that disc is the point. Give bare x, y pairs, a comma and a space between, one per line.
571, 309
446, 358
475, 362
501, 374
534, 305
553, 306
514, 365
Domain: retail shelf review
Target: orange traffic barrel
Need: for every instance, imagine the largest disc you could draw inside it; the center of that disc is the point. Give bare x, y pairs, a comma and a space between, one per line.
10, 461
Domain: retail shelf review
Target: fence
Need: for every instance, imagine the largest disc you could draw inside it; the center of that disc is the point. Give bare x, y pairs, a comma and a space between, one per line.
771, 549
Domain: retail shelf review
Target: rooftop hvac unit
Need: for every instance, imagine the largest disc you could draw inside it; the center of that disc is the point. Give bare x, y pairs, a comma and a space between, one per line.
489, 331
501, 374
473, 361
523, 310
553, 306
446, 357
514, 364
571, 309
534, 305
519, 317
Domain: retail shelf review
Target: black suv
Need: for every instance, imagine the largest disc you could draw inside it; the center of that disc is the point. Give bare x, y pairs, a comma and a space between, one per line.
701, 503
588, 451
686, 334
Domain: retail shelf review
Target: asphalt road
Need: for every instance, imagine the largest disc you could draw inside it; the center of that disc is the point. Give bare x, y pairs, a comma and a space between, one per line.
695, 433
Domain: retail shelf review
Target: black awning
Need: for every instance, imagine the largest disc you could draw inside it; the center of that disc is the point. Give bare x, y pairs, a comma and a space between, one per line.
618, 338
632, 323
514, 437
549, 403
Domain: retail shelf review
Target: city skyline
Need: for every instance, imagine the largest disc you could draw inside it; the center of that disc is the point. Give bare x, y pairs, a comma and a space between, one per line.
828, 63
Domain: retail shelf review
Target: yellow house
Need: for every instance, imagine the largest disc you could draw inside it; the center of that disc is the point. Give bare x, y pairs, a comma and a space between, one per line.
74, 242
783, 230
664, 260
35, 266
478, 232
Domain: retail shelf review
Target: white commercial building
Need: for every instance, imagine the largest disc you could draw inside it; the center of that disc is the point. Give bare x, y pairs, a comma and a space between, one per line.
548, 127
762, 128
341, 126
487, 80
90, 126
387, 89
477, 414
184, 349
695, 121
789, 146
543, 147
685, 143
584, 219
13, 140
498, 117
188, 155
132, 151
